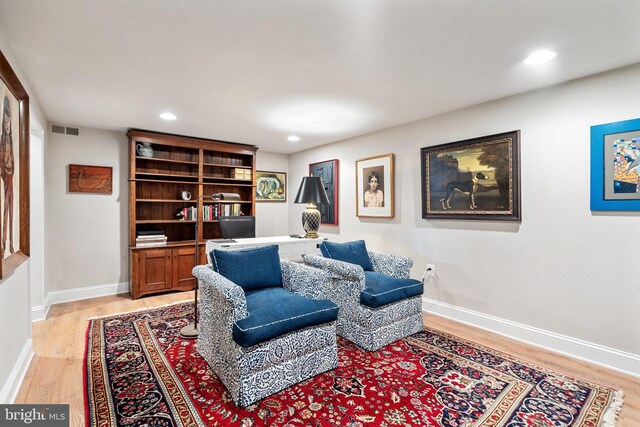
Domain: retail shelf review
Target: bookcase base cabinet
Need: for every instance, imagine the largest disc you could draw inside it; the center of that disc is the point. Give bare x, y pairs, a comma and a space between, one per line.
159, 270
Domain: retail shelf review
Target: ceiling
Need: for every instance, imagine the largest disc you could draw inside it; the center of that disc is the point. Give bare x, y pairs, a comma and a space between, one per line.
256, 71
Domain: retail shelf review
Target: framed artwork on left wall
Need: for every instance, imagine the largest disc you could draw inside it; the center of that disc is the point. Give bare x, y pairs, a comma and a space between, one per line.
14, 170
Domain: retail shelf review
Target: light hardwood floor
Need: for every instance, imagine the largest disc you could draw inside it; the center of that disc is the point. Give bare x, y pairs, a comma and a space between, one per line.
55, 374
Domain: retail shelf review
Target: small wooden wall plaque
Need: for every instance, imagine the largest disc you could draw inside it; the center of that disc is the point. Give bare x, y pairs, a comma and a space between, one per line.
90, 179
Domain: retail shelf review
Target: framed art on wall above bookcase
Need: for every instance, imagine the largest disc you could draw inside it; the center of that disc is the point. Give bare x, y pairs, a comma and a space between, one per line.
170, 179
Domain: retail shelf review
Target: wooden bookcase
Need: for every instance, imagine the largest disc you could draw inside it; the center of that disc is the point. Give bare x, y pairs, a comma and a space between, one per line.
179, 163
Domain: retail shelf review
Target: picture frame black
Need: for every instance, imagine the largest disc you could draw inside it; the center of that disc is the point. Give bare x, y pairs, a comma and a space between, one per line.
472, 179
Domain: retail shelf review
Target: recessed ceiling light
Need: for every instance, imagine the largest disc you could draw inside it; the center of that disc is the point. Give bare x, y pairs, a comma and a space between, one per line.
540, 57
293, 138
168, 116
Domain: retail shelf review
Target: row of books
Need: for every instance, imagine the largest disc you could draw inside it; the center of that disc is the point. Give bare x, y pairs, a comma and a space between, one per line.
216, 210
150, 238
211, 211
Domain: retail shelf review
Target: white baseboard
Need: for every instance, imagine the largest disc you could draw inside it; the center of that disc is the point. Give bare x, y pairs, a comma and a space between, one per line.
58, 297
10, 389
617, 360
40, 312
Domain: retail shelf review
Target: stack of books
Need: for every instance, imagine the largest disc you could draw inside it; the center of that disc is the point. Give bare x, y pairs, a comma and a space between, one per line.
150, 238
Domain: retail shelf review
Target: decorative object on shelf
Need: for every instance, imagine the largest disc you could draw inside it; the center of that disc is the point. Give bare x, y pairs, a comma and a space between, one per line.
271, 186
242, 173
615, 171
311, 191
328, 173
144, 150
14, 169
374, 187
227, 196
90, 179
476, 178
191, 330
185, 195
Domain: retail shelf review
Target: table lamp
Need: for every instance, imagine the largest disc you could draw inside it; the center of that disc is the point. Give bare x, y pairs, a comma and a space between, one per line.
312, 192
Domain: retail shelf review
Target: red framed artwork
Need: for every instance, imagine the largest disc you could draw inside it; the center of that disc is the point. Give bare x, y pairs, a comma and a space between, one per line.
328, 173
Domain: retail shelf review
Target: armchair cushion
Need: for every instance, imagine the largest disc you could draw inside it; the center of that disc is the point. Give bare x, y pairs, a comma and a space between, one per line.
351, 252
381, 289
251, 269
276, 311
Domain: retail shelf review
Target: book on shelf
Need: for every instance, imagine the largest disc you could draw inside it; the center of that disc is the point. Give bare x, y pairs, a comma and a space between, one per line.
151, 243
152, 232
151, 237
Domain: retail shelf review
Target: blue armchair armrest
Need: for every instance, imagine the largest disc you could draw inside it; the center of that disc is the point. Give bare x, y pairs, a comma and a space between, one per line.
304, 280
337, 269
349, 279
391, 265
226, 293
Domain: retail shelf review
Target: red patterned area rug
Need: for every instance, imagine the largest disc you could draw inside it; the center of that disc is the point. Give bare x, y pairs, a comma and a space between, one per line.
140, 373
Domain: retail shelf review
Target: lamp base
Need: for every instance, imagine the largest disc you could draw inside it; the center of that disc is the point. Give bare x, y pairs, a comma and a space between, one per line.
311, 221
189, 332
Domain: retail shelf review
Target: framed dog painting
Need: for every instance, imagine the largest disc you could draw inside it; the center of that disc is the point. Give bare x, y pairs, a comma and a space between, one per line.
615, 164
477, 178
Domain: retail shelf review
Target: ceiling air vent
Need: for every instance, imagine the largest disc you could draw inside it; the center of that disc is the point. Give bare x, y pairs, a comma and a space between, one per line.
57, 129
73, 131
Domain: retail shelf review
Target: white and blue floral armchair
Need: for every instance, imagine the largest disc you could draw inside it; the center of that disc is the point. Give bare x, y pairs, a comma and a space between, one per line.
263, 326
378, 302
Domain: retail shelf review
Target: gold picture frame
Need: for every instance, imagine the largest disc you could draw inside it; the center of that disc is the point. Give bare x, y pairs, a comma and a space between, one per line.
375, 187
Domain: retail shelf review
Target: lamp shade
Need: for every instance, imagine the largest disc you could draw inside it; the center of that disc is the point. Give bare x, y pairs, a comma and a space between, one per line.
312, 191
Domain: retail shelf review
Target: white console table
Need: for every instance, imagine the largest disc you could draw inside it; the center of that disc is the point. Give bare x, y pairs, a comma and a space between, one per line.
290, 248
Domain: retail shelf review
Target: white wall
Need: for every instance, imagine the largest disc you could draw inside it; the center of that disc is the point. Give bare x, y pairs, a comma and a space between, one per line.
272, 218
564, 269
87, 243
15, 319
89, 231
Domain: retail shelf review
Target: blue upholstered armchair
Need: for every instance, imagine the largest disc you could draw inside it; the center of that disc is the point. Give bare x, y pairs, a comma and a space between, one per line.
262, 325
378, 302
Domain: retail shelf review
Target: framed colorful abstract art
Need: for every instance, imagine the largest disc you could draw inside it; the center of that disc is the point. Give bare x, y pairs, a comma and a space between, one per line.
271, 186
615, 157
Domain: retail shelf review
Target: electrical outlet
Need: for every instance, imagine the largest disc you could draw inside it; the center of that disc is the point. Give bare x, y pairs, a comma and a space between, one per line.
430, 271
